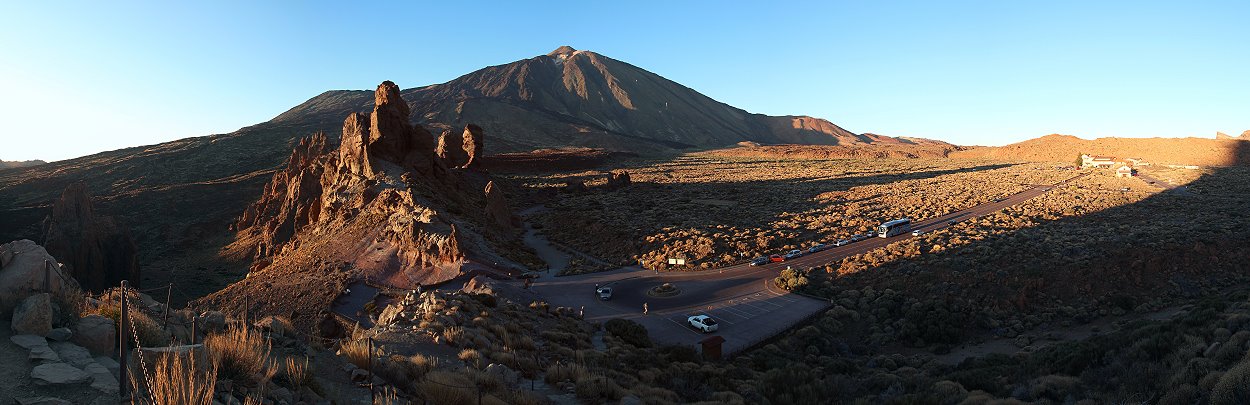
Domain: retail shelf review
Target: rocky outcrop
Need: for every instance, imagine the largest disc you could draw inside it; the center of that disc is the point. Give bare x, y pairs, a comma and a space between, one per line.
392, 138
291, 200
28, 268
617, 179
98, 252
497, 208
376, 203
1221, 135
463, 149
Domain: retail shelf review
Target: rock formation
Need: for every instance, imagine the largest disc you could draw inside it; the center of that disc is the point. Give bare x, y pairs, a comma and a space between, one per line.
617, 179
497, 207
363, 204
463, 150
97, 251
1221, 135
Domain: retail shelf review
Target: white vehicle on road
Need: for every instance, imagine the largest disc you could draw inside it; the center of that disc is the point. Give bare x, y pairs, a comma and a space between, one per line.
917, 232
703, 322
895, 227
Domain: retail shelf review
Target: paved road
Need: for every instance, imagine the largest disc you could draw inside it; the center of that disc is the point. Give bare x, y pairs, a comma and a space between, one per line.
740, 296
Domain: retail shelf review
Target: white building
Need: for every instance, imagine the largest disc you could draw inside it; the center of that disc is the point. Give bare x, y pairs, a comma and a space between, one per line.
1097, 161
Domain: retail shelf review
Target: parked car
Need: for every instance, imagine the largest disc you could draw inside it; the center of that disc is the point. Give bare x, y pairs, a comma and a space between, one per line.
842, 242
760, 261
951, 222
818, 247
872, 234
858, 237
703, 322
794, 254
605, 293
776, 258
917, 232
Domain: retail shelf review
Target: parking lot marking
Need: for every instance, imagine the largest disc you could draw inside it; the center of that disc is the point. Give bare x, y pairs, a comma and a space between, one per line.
737, 312
683, 326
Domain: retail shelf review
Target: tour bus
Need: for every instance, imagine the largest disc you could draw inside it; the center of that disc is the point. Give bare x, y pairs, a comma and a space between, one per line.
895, 227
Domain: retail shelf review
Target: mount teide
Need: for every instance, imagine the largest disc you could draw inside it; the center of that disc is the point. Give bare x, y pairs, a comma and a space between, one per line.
580, 98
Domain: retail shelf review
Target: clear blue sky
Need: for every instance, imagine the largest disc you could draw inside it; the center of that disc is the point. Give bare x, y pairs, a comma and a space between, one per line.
82, 77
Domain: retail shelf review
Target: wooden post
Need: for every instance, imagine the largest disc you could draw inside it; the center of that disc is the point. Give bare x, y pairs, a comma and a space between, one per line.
195, 319
121, 342
372, 398
47, 284
168, 295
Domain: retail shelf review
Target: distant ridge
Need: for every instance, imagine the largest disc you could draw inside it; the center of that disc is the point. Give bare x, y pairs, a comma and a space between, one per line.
1065, 148
23, 163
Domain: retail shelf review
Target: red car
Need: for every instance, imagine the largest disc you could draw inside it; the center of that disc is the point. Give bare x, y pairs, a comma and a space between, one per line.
776, 258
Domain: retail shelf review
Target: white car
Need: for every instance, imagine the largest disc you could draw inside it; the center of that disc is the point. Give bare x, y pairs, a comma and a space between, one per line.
842, 242
703, 322
917, 232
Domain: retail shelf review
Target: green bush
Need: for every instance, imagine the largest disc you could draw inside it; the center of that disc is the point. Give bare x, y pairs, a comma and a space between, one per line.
629, 331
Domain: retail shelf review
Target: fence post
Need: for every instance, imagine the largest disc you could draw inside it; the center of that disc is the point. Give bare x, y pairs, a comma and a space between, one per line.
195, 319
169, 294
372, 399
121, 342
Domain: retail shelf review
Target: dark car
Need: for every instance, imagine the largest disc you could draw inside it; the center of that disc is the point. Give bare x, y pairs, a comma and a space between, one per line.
760, 261
818, 247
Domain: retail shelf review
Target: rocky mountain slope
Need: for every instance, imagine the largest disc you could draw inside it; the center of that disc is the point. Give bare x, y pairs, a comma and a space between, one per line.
580, 98
1066, 148
1245, 135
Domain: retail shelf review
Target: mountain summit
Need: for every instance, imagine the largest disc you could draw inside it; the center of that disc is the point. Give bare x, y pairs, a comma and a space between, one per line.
572, 97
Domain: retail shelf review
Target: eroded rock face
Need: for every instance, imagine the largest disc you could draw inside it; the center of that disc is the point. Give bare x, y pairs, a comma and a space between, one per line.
362, 204
618, 179
291, 200
34, 315
97, 251
392, 138
497, 207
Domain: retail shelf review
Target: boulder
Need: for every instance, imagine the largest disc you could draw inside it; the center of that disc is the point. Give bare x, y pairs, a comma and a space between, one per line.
58, 374
60, 334
96, 249
43, 354
34, 315
75, 355
28, 342
272, 324
27, 271
504, 373
101, 378
96, 333
213, 321
6, 256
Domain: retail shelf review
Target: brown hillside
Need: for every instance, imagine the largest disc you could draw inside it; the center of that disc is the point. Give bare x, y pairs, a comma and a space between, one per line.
1066, 148
898, 151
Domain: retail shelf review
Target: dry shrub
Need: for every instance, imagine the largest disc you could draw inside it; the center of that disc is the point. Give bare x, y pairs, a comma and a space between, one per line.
469, 356
150, 333
179, 379
564, 371
242, 354
356, 352
402, 370
1234, 386
296, 371
454, 335
442, 387
599, 388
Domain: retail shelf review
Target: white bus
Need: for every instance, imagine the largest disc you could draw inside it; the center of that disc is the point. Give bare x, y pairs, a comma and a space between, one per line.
895, 227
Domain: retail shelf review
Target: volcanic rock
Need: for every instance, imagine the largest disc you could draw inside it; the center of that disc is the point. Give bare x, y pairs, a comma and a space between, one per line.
96, 333
497, 207
97, 251
463, 150
353, 151
58, 374
392, 138
617, 179
29, 268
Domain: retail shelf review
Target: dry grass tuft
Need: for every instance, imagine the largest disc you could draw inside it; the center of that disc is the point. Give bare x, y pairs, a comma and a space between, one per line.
179, 380
563, 371
295, 370
356, 352
242, 354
